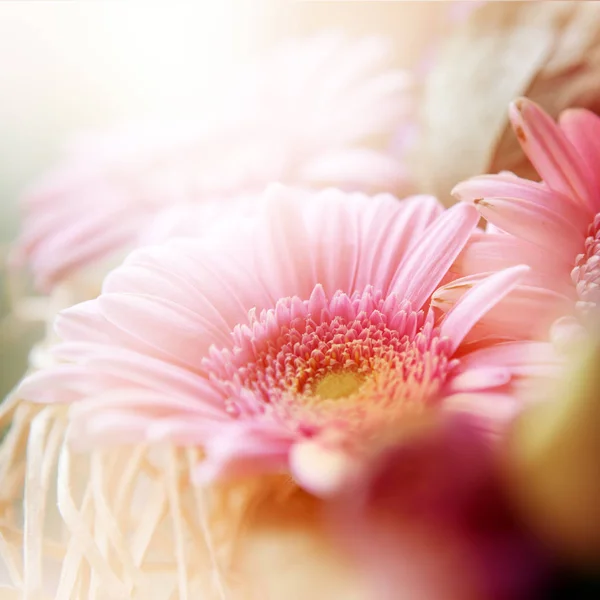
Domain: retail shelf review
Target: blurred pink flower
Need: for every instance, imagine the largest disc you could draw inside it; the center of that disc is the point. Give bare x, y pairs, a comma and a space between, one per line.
554, 225
306, 115
293, 340
435, 507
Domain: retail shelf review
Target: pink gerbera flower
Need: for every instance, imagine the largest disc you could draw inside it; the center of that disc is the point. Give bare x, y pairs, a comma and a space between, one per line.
304, 115
554, 225
295, 340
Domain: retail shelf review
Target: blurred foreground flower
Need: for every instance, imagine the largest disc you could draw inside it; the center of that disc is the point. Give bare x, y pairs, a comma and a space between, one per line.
431, 519
310, 114
295, 341
548, 51
556, 222
552, 464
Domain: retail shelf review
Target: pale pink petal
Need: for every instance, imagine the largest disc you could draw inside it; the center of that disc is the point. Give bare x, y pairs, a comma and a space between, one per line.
388, 232
344, 241
525, 313
438, 247
533, 223
85, 323
512, 355
319, 469
139, 370
496, 251
243, 449
216, 272
284, 233
480, 379
568, 334
102, 246
582, 129
153, 404
478, 300
509, 187
63, 384
166, 329
551, 153
493, 411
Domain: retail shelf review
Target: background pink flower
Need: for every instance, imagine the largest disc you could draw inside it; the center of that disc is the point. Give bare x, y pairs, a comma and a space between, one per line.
309, 114
552, 225
295, 340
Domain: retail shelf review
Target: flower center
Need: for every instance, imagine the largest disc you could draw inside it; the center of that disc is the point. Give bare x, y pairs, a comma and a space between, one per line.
346, 358
338, 385
586, 274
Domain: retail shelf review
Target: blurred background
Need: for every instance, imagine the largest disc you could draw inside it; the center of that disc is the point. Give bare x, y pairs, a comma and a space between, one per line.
71, 66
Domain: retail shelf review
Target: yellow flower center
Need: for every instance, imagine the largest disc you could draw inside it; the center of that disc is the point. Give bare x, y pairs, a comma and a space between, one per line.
340, 384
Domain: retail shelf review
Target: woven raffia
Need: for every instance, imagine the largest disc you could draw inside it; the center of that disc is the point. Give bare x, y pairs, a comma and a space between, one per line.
126, 523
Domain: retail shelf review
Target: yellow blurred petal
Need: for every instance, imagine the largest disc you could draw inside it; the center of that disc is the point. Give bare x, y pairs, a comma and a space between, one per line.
553, 464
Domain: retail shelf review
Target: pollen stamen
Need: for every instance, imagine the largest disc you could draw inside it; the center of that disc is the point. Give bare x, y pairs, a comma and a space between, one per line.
586, 274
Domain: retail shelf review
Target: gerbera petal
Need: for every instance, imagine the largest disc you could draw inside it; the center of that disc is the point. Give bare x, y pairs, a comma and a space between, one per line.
568, 334
551, 153
509, 187
84, 322
344, 241
244, 449
484, 295
438, 247
165, 328
140, 280
582, 129
512, 355
220, 271
146, 371
525, 312
320, 469
49, 266
496, 251
389, 230
493, 411
533, 223
478, 379
152, 404
62, 384
284, 235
